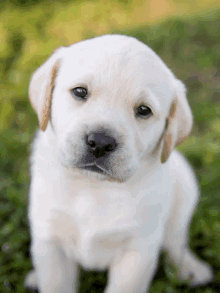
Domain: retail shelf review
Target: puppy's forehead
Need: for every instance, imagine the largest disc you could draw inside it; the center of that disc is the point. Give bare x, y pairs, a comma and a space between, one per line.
112, 58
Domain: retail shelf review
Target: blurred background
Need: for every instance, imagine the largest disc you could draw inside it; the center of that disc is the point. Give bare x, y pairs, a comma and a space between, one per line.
187, 37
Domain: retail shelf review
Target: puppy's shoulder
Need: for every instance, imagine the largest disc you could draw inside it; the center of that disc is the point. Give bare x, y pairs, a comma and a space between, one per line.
179, 162
180, 168
35, 146
42, 152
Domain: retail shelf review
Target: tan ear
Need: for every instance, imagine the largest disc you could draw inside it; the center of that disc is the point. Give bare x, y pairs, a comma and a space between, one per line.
179, 122
41, 87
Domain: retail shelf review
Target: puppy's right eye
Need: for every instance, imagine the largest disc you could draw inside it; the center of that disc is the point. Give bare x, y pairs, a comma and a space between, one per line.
80, 92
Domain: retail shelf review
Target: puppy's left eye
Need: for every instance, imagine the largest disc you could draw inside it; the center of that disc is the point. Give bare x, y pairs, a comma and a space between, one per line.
143, 111
80, 92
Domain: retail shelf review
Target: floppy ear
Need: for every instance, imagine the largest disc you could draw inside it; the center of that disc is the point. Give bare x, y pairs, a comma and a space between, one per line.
179, 122
41, 87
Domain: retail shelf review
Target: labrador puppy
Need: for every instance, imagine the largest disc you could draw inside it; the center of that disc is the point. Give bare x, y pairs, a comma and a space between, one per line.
108, 190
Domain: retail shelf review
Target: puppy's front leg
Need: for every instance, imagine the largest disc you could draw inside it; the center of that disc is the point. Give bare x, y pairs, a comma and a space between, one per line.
55, 272
134, 271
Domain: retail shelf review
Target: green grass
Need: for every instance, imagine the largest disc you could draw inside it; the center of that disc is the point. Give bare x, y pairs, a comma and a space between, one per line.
191, 49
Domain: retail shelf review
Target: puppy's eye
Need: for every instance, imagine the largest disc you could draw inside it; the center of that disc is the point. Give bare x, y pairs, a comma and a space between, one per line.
143, 111
80, 92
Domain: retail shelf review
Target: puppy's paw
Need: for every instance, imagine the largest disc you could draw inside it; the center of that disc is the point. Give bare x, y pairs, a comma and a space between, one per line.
31, 280
202, 274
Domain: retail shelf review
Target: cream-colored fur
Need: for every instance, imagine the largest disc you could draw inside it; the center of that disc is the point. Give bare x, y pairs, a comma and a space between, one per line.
143, 197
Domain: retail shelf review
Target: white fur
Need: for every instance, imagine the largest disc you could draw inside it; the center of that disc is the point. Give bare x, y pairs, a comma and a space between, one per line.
120, 220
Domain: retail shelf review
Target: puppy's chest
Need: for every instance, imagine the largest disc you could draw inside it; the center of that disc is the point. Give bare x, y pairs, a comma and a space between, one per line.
94, 226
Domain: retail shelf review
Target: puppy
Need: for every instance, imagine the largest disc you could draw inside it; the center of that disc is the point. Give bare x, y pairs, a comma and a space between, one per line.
108, 190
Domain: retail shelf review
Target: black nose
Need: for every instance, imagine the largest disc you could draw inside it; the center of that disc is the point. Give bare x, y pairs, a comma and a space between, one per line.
99, 144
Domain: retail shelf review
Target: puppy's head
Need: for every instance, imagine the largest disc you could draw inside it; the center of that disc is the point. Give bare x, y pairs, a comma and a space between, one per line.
112, 105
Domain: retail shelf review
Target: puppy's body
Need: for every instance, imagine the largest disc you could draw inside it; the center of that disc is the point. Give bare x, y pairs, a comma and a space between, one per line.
90, 218
120, 213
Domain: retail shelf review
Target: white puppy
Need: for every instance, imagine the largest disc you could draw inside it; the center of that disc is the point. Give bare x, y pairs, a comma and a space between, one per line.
107, 189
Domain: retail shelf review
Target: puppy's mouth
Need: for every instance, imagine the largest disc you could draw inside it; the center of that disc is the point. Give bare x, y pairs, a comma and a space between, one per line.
94, 168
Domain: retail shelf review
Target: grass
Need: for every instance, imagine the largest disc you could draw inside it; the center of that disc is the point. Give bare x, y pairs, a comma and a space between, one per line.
190, 47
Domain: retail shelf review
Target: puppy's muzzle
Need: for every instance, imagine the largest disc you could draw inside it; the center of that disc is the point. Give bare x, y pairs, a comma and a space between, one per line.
100, 145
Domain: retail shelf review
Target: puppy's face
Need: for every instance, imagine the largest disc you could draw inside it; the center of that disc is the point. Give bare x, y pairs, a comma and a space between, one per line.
111, 98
